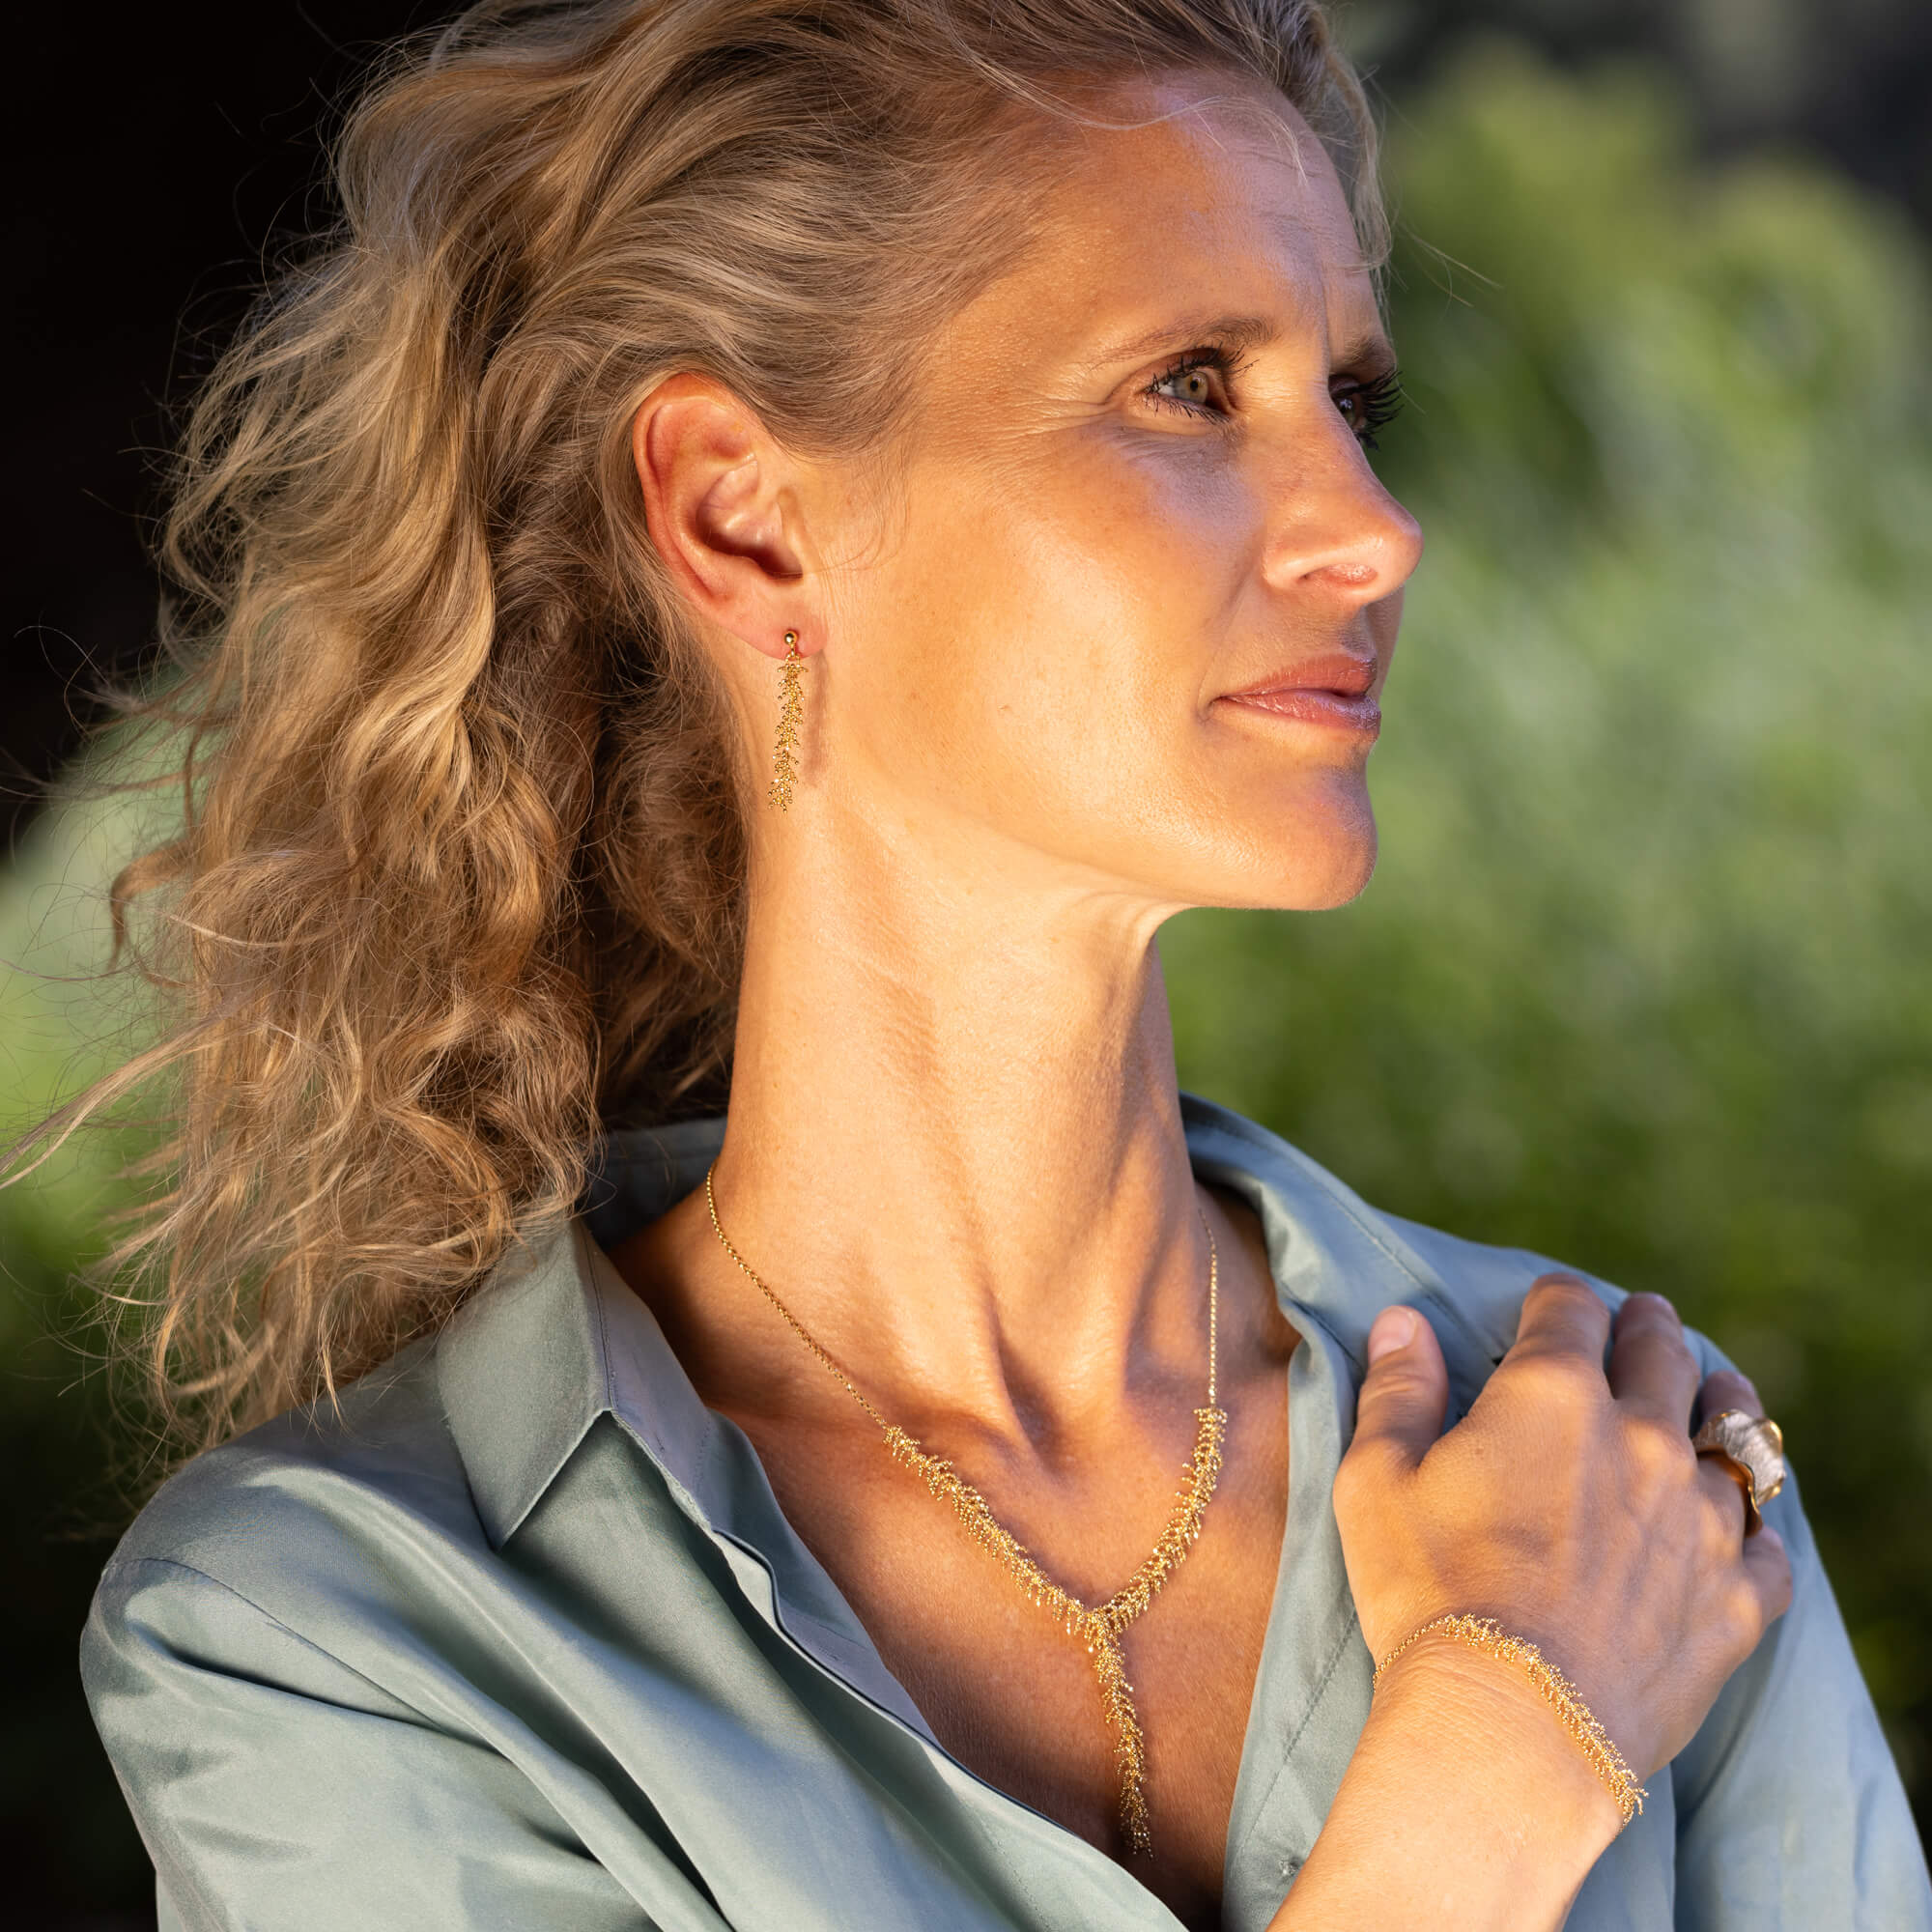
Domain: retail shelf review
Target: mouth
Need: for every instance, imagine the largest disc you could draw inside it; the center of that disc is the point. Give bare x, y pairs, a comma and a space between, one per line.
1331, 690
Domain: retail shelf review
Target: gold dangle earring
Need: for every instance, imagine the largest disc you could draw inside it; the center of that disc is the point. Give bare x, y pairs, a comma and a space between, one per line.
791, 716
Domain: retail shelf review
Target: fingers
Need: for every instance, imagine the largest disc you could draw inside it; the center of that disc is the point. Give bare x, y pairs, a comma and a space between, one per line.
1725, 1488
1405, 1392
1766, 1560
1562, 1316
1768, 1565
1726, 1389
1653, 1372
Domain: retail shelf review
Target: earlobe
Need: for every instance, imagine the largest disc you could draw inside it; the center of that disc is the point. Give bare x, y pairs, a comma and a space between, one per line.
715, 507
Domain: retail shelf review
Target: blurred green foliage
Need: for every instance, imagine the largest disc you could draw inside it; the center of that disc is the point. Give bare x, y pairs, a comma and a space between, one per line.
1638, 982
1641, 980
69, 1848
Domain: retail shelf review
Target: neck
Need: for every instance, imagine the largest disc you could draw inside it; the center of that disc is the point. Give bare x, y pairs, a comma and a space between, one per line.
955, 1147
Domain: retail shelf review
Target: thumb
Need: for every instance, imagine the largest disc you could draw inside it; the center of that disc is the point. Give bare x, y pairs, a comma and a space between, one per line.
1404, 1394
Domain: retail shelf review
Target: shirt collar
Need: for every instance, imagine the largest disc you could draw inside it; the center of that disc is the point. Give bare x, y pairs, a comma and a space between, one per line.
555, 1339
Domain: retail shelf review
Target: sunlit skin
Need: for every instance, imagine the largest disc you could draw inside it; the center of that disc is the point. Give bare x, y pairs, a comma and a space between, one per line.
954, 1146
1097, 548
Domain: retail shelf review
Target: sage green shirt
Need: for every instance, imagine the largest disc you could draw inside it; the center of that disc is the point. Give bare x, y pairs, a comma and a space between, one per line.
523, 1640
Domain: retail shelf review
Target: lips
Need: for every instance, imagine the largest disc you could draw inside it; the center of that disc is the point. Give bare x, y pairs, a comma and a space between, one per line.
1331, 690
1338, 671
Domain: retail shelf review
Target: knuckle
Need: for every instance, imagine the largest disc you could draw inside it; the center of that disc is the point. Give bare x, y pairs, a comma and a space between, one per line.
1744, 1617
1777, 1593
1661, 1449
1363, 1470
1663, 1347
1650, 1311
1565, 1290
1557, 1381
1783, 1588
1394, 1378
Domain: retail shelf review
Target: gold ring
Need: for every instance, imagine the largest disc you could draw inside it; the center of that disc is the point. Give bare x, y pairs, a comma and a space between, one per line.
1751, 1448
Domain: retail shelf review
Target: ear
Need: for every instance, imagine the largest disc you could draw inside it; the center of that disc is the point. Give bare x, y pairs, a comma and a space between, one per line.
721, 513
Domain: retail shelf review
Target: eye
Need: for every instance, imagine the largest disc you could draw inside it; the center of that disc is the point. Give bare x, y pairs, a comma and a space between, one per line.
1367, 407
1198, 384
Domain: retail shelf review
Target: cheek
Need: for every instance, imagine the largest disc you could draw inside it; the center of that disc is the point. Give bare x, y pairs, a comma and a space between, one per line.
1155, 548
1096, 601
1037, 654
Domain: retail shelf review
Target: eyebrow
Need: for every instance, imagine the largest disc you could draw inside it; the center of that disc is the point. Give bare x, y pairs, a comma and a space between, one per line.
1370, 349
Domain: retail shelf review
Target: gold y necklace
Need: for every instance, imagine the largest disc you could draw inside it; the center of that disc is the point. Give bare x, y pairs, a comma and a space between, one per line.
1098, 1626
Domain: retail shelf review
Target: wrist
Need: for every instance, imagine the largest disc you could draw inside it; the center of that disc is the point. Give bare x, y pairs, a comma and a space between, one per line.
1465, 1803
1518, 1654
1478, 1707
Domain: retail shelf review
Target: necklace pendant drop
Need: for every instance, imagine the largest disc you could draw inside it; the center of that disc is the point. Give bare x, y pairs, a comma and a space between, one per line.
1099, 1628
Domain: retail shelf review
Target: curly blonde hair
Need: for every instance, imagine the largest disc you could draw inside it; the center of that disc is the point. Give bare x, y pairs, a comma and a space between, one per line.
459, 875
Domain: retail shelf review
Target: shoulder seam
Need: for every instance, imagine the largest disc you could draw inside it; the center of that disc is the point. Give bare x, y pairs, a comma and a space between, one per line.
120, 1565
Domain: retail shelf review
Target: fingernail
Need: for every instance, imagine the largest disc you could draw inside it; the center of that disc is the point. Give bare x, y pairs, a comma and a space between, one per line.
1395, 1328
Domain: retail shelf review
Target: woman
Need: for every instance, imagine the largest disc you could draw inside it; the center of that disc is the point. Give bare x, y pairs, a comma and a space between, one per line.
780, 542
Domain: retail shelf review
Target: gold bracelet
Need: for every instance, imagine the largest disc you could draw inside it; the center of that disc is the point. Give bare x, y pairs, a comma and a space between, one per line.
1486, 1635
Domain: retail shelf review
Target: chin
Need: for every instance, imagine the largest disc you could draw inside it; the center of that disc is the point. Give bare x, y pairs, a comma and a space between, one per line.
1314, 857
1265, 875
1343, 884
1305, 887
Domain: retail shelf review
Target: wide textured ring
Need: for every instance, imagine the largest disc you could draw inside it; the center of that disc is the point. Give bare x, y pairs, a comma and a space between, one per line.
1751, 1448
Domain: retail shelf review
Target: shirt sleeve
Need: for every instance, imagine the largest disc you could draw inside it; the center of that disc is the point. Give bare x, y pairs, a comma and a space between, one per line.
1790, 1812
277, 1789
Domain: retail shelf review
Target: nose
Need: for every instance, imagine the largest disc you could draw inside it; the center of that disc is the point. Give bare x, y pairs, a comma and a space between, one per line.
1339, 534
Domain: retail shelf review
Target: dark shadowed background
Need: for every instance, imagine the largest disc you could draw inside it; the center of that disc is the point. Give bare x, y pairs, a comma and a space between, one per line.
1639, 980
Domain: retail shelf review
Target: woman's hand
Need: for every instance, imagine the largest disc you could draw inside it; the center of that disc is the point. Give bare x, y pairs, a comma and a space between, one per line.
1570, 1506
1567, 1504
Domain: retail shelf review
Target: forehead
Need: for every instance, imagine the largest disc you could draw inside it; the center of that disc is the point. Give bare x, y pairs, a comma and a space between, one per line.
1214, 196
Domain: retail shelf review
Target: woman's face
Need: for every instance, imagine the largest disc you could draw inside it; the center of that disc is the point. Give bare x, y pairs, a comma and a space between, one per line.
1135, 490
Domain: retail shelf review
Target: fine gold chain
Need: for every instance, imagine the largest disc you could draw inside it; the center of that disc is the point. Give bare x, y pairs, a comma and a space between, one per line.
1098, 1626
1486, 1635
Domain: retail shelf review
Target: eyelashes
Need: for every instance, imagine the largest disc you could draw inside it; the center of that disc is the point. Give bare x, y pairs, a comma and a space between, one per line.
1210, 370
1378, 402
1205, 359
